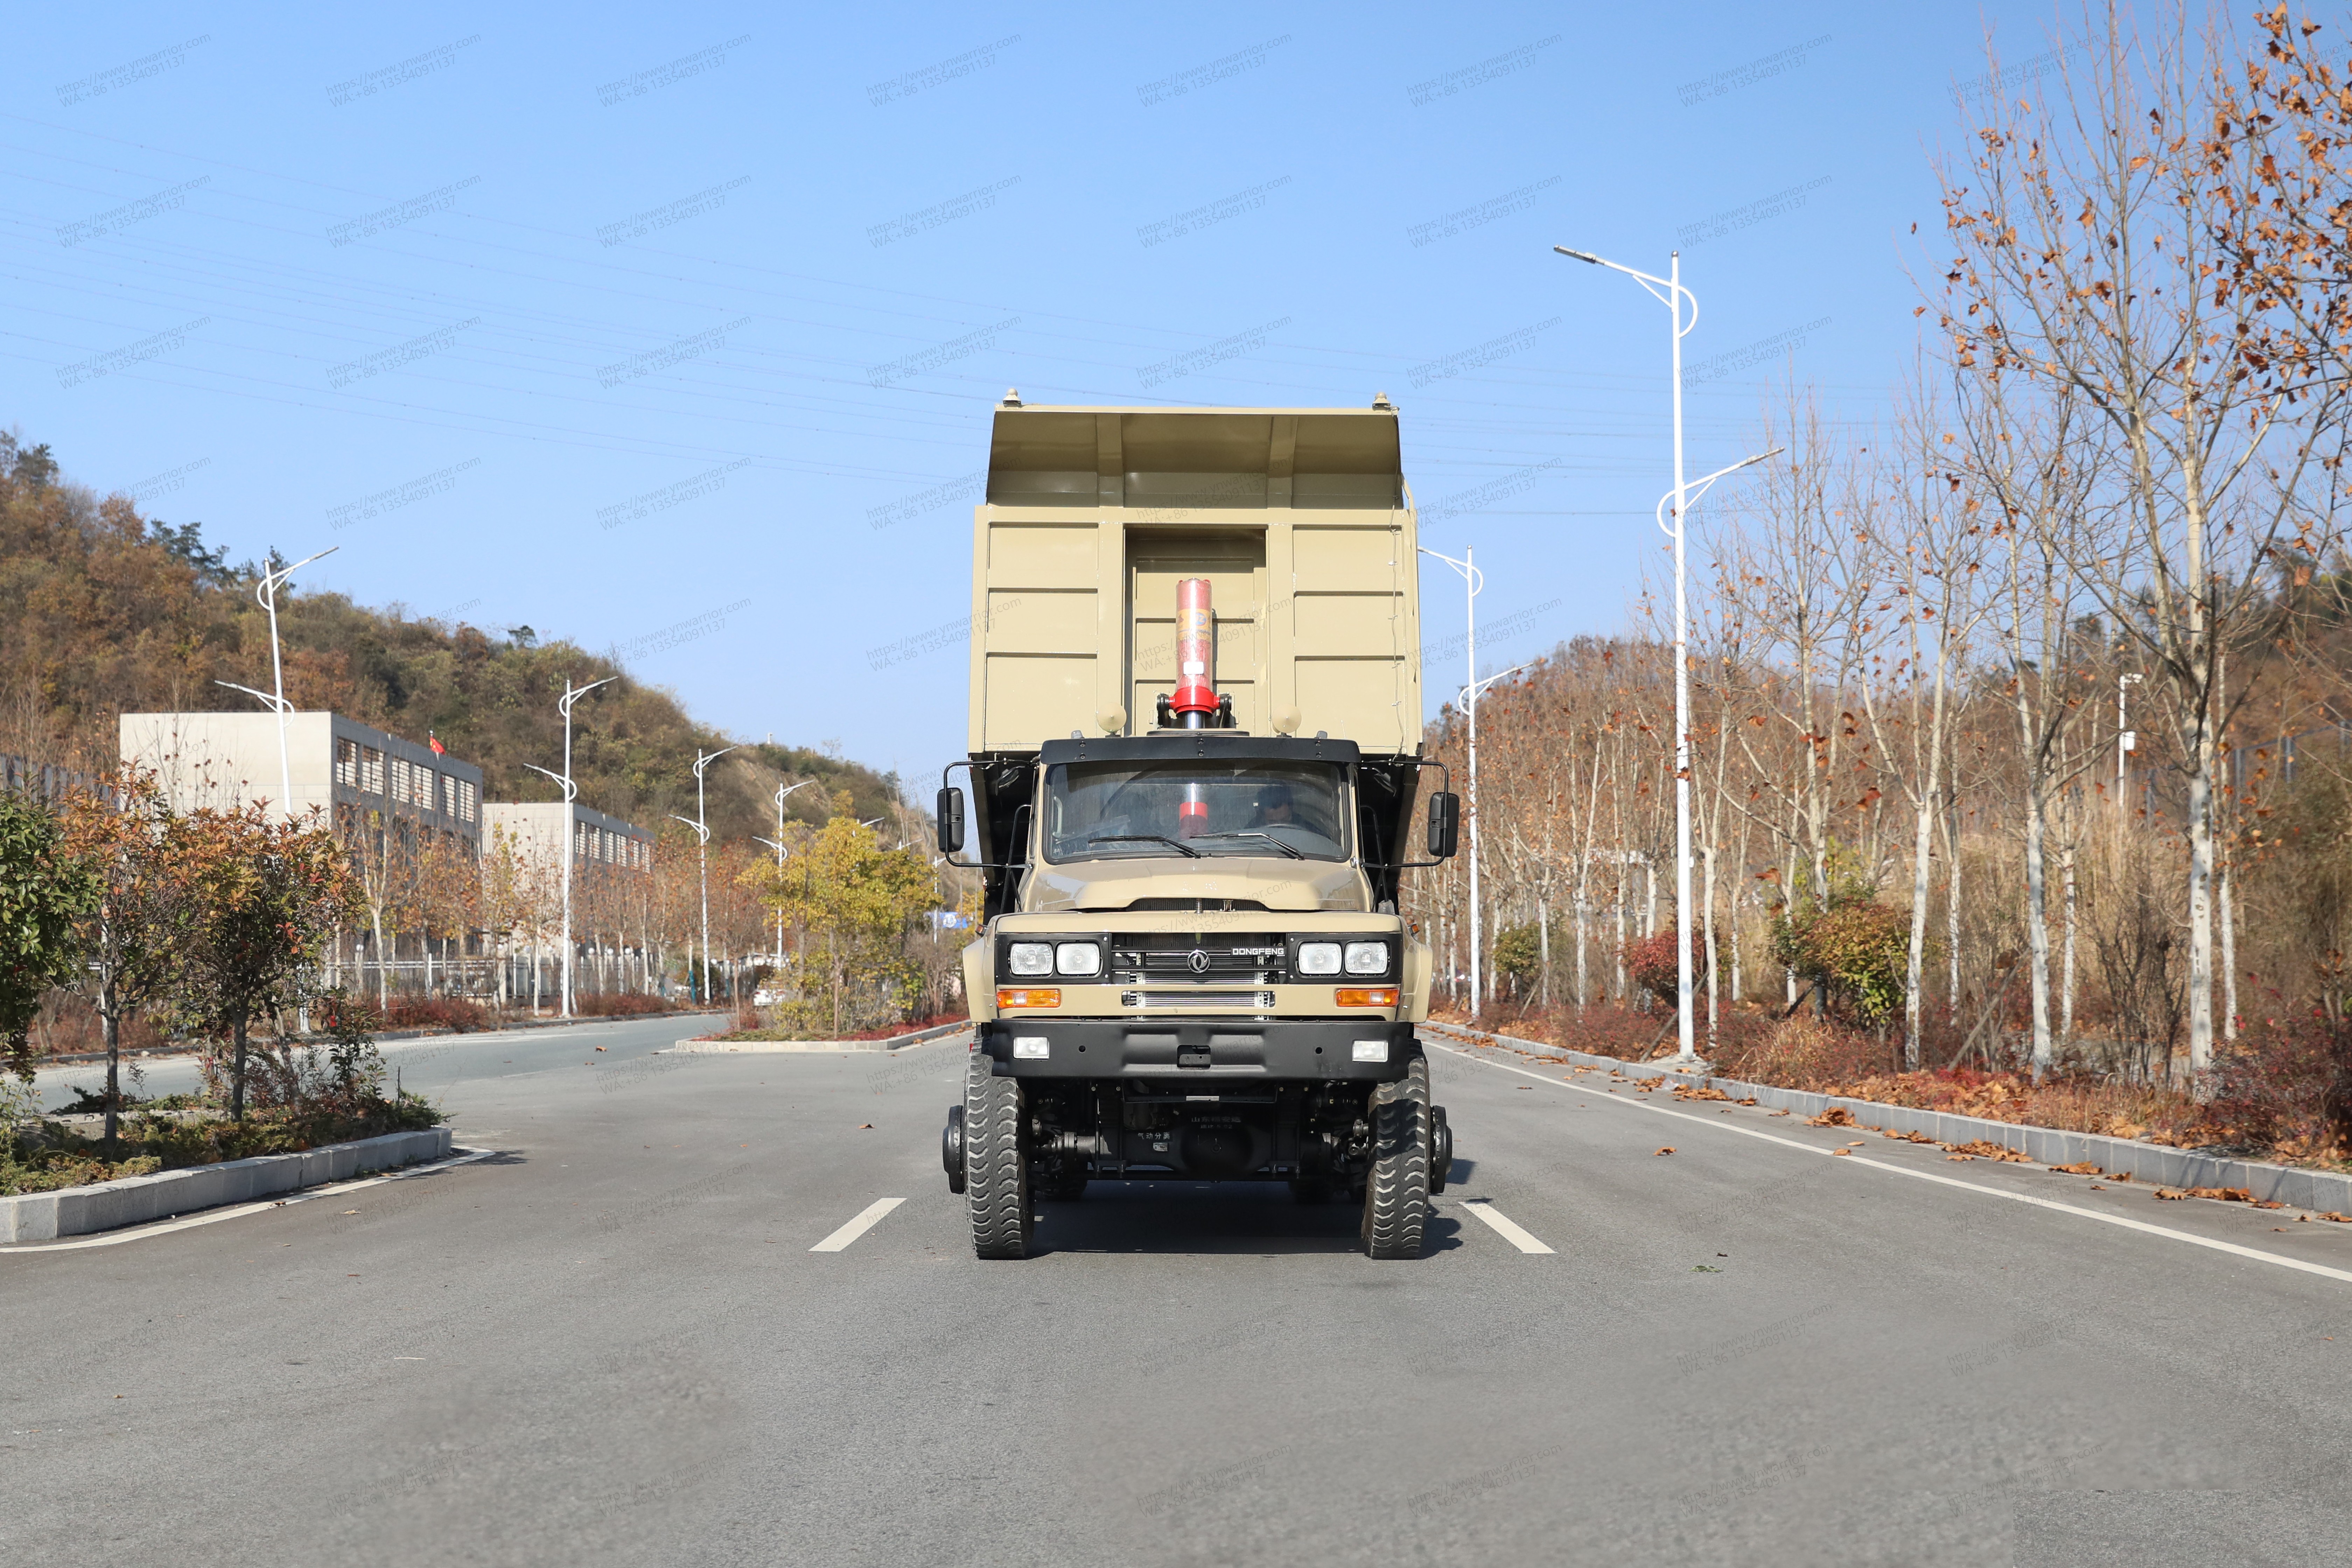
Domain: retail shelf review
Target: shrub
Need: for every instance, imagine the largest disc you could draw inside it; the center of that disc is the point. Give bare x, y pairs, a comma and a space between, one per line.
1855, 950
429, 1012
620, 1005
1653, 964
2288, 1082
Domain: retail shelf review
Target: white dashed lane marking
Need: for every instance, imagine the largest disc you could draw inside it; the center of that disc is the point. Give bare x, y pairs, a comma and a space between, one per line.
868, 1218
1502, 1225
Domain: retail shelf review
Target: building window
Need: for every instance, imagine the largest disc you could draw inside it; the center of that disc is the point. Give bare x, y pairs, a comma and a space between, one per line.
347, 764
371, 771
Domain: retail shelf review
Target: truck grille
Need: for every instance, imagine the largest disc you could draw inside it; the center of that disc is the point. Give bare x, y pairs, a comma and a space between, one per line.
1217, 957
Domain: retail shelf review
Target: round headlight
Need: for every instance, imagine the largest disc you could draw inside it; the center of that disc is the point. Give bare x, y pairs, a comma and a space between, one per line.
1032, 958
1318, 958
1078, 958
1368, 958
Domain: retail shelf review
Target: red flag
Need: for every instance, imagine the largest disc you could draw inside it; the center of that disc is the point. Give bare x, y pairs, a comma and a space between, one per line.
434, 741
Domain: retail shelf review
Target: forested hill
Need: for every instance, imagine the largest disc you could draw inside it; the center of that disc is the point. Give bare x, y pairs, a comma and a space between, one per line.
104, 610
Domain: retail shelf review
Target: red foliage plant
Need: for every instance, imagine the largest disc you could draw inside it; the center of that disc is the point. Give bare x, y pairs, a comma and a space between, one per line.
435, 1012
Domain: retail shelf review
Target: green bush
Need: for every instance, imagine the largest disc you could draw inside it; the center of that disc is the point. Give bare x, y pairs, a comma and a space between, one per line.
1855, 951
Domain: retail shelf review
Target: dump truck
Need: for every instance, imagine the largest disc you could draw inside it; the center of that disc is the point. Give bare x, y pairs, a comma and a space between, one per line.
1193, 778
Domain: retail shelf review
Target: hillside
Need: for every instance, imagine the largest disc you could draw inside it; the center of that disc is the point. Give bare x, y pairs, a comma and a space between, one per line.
104, 610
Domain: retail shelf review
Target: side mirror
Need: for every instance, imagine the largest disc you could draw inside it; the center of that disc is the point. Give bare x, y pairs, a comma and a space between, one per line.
1444, 824
951, 820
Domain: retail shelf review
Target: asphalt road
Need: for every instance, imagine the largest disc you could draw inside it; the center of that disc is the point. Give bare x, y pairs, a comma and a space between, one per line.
611, 1344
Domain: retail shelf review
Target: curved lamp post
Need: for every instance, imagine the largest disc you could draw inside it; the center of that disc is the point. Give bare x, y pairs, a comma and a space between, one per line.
265, 591
571, 827
702, 852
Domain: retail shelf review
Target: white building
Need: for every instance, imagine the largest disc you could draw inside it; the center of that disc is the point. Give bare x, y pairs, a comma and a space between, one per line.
340, 766
536, 829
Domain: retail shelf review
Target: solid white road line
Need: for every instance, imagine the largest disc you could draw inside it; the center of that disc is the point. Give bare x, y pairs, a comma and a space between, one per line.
2205, 1241
213, 1217
867, 1217
1509, 1229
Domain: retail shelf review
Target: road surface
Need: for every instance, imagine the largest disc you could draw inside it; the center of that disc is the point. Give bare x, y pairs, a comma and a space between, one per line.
614, 1342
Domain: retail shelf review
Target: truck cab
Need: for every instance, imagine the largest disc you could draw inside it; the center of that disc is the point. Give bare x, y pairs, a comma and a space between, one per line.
1191, 966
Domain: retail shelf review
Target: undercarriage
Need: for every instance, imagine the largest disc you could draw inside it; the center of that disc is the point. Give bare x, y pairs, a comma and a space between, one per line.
1017, 1140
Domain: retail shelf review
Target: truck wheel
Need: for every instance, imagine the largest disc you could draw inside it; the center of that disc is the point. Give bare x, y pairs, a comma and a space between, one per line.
1396, 1188
951, 1148
1441, 1150
996, 1168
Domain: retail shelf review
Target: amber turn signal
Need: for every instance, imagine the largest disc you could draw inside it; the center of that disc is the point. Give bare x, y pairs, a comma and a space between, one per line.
1351, 996
1035, 995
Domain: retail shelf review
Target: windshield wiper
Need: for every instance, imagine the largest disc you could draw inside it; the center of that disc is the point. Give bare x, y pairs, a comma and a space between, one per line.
1287, 849
1180, 849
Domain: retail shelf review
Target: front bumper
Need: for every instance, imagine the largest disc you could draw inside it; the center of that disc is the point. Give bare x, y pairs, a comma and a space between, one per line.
1199, 1048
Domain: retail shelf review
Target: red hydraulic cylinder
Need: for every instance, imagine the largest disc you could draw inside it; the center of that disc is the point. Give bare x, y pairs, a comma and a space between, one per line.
1196, 656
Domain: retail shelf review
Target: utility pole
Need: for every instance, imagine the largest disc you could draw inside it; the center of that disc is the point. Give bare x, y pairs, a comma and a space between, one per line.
570, 823
777, 844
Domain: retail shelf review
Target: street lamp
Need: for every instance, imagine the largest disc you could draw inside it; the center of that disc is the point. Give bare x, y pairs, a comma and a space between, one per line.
570, 830
265, 591
777, 844
1473, 580
702, 852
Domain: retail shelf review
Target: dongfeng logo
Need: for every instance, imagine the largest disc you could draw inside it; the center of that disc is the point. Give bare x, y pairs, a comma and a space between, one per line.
1198, 962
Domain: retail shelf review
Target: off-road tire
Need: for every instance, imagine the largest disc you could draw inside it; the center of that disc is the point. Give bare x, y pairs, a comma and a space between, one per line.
997, 1167
1396, 1187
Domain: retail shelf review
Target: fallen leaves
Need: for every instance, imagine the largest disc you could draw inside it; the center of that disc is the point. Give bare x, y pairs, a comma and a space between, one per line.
1835, 1116
1749, 1101
2083, 1169
865, 1127
2218, 1194
1982, 1148
1667, 1150
1836, 1152
600, 1048
1780, 1113
1908, 1137
1684, 1091
2339, 1218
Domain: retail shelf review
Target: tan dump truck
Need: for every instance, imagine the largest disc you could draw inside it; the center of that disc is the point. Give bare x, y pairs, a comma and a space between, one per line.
1196, 759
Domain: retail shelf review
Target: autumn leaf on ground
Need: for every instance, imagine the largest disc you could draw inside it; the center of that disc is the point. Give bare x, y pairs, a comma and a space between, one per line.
2083, 1169
1960, 1156
2339, 1218
1841, 1152
1749, 1101
1780, 1113
1835, 1116
1667, 1150
865, 1127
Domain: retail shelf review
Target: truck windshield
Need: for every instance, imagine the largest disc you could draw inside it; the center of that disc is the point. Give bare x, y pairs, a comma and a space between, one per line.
1287, 810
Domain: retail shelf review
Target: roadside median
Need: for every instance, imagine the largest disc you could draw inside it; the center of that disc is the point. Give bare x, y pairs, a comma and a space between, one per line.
2184, 1170
164, 1194
708, 1046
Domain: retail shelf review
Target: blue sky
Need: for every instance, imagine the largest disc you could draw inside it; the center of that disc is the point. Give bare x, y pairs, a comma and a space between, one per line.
632, 325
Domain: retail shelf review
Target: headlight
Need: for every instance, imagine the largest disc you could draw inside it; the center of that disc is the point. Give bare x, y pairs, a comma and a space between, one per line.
1318, 958
1368, 958
1032, 958
1078, 958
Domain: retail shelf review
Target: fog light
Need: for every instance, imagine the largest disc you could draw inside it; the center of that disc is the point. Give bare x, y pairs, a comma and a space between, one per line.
1371, 1050
1034, 1047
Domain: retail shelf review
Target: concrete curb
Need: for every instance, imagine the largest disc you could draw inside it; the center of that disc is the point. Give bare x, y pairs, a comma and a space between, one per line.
2142, 1161
763, 1048
135, 1200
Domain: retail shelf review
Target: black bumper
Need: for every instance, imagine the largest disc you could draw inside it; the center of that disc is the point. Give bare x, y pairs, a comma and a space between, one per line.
1203, 1047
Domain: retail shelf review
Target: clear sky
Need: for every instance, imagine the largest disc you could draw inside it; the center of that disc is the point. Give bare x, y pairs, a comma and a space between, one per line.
632, 323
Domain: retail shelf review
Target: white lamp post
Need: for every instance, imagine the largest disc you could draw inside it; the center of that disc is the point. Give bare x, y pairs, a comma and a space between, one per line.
570, 830
777, 844
265, 591
1473, 580
702, 852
